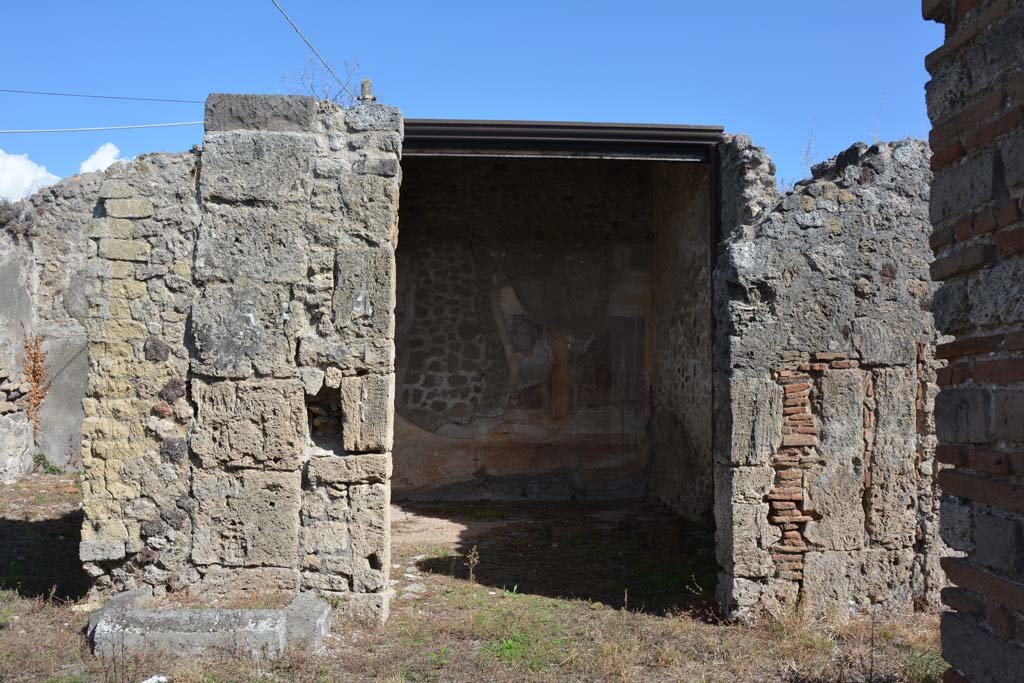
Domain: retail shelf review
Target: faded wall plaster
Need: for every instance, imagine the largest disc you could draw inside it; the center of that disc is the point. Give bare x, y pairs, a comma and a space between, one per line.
523, 285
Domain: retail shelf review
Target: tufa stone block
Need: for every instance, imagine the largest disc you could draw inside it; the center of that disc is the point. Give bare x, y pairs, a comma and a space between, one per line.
238, 243
350, 469
128, 208
124, 250
250, 424
249, 166
279, 113
239, 328
364, 292
246, 518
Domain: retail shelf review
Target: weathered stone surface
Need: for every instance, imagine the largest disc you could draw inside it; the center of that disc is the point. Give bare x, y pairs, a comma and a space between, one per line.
370, 521
854, 580
278, 113
247, 518
164, 297
15, 447
743, 535
241, 329
350, 469
246, 166
124, 250
250, 424
756, 419
128, 208
750, 599
373, 116
892, 496
364, 292
372, 355
354, 210
126, 627
367, 404
307, 621
238, 583
327, 551
879, 342
369, 608
239, 243
835, 490
97, 549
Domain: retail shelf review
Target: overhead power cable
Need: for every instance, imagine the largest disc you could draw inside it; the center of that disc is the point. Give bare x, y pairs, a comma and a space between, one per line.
77, 130
313, 49
99, 97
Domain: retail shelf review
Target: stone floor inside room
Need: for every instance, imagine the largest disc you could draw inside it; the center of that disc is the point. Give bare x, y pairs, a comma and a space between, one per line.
618, 592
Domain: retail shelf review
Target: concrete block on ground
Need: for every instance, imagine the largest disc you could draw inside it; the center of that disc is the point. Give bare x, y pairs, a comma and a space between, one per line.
126, 626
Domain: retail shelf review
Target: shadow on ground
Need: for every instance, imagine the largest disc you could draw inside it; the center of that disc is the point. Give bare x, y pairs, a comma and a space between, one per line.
635, 556
40, 558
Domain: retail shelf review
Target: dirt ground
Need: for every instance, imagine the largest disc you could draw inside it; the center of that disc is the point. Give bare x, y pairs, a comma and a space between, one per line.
484, 591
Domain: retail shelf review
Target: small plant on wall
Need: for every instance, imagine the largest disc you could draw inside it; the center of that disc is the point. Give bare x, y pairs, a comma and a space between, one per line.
34, 375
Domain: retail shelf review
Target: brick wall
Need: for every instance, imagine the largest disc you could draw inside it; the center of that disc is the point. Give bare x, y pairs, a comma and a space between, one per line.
976, 105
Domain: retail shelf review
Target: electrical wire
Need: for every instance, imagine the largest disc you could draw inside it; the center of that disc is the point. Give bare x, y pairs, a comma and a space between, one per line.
310, 46
77, 130
98, 97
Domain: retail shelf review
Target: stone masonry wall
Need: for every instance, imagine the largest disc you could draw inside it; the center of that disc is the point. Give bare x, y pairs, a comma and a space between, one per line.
238, 428
976, 105
825, 494
45, 251
16, 443
680, 373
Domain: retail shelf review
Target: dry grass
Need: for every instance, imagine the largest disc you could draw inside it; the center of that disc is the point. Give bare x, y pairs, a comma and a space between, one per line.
541, 609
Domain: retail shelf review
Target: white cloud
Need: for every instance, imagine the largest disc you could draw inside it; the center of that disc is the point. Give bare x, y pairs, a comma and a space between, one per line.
20, 176
101, 158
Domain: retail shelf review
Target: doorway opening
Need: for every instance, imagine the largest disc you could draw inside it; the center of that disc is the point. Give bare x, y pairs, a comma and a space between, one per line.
554, 328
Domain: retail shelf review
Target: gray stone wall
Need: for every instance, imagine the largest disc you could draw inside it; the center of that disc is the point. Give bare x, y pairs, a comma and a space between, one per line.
44, 267
825, 371
240, 322
682, 326
16, 442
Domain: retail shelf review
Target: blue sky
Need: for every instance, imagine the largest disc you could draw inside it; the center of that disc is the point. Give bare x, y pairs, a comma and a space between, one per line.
771, 70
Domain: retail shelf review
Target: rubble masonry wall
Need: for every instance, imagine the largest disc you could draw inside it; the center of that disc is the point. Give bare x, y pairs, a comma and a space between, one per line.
824, 384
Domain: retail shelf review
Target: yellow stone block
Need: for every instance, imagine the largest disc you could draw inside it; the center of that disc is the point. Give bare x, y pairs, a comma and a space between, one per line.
111, 528
182, 268
89, 407
124, 329
121, 270
129, 289
124, 250
128, 208
118, 350
123, 450
103, 387
104, 428
118, 308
